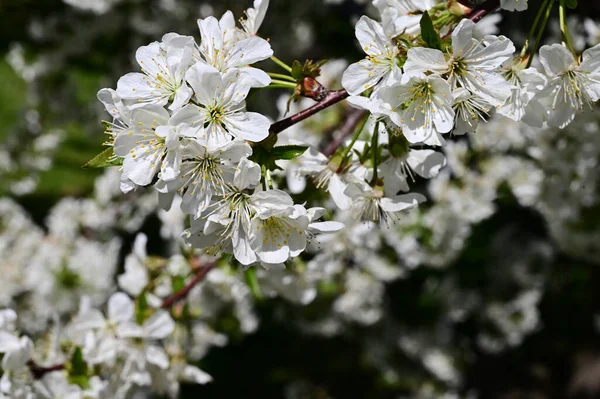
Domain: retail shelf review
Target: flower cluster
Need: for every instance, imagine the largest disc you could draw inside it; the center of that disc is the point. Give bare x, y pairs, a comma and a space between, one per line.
181, 124
81, 318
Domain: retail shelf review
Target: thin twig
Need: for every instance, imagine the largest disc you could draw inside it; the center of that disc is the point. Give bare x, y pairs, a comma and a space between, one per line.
201, 272
486, 8
350, 124
331, 98
39, 371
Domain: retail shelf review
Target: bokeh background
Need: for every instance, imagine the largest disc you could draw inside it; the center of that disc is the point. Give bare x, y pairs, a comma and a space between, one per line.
494, 289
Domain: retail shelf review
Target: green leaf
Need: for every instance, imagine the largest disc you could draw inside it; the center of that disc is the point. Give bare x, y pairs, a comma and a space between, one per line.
78, 365
104, 159
572, 4
297, 70
428, 32
288, 151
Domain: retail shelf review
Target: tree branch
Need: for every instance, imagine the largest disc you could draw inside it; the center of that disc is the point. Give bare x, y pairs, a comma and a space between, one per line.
350, 124
331, 98
200, 272
486, 8
38, 371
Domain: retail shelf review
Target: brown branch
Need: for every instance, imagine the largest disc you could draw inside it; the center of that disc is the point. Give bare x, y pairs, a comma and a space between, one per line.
486, 8
332, 97
200, 272
350, 124
38, 371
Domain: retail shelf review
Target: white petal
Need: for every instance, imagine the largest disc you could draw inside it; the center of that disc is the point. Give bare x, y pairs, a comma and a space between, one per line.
426, 163
326, 227
205, 80
258, 76
421, 59
160, 325
362, 75
129, 329
242, 250
134, 85
150, 116
89, 320
556, 59
401, 202
120, 307
157, 357
371, 36
192, 115
182, 96
249, 51
246, 175
194, 374
250, 126
336, 189
591, 60
462, 37
268, 203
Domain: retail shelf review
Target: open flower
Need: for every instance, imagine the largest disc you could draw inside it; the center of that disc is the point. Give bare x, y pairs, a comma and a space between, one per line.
278, 229
471, 65
149, 145
224, 48
421, 105
220, 114
208, 172
396, 170
163, 66
254, 17
572, 85
400, 17
469, 110
370, 204
380, 63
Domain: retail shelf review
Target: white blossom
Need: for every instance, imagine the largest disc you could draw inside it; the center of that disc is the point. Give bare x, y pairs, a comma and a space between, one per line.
572, 84
380, 63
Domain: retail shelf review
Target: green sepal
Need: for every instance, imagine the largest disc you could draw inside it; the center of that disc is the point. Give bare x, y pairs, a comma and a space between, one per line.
428, 33
572, 4
313, 69
297, 70
105, 159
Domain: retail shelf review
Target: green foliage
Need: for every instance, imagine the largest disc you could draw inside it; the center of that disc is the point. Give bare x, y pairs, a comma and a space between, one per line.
430, 36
